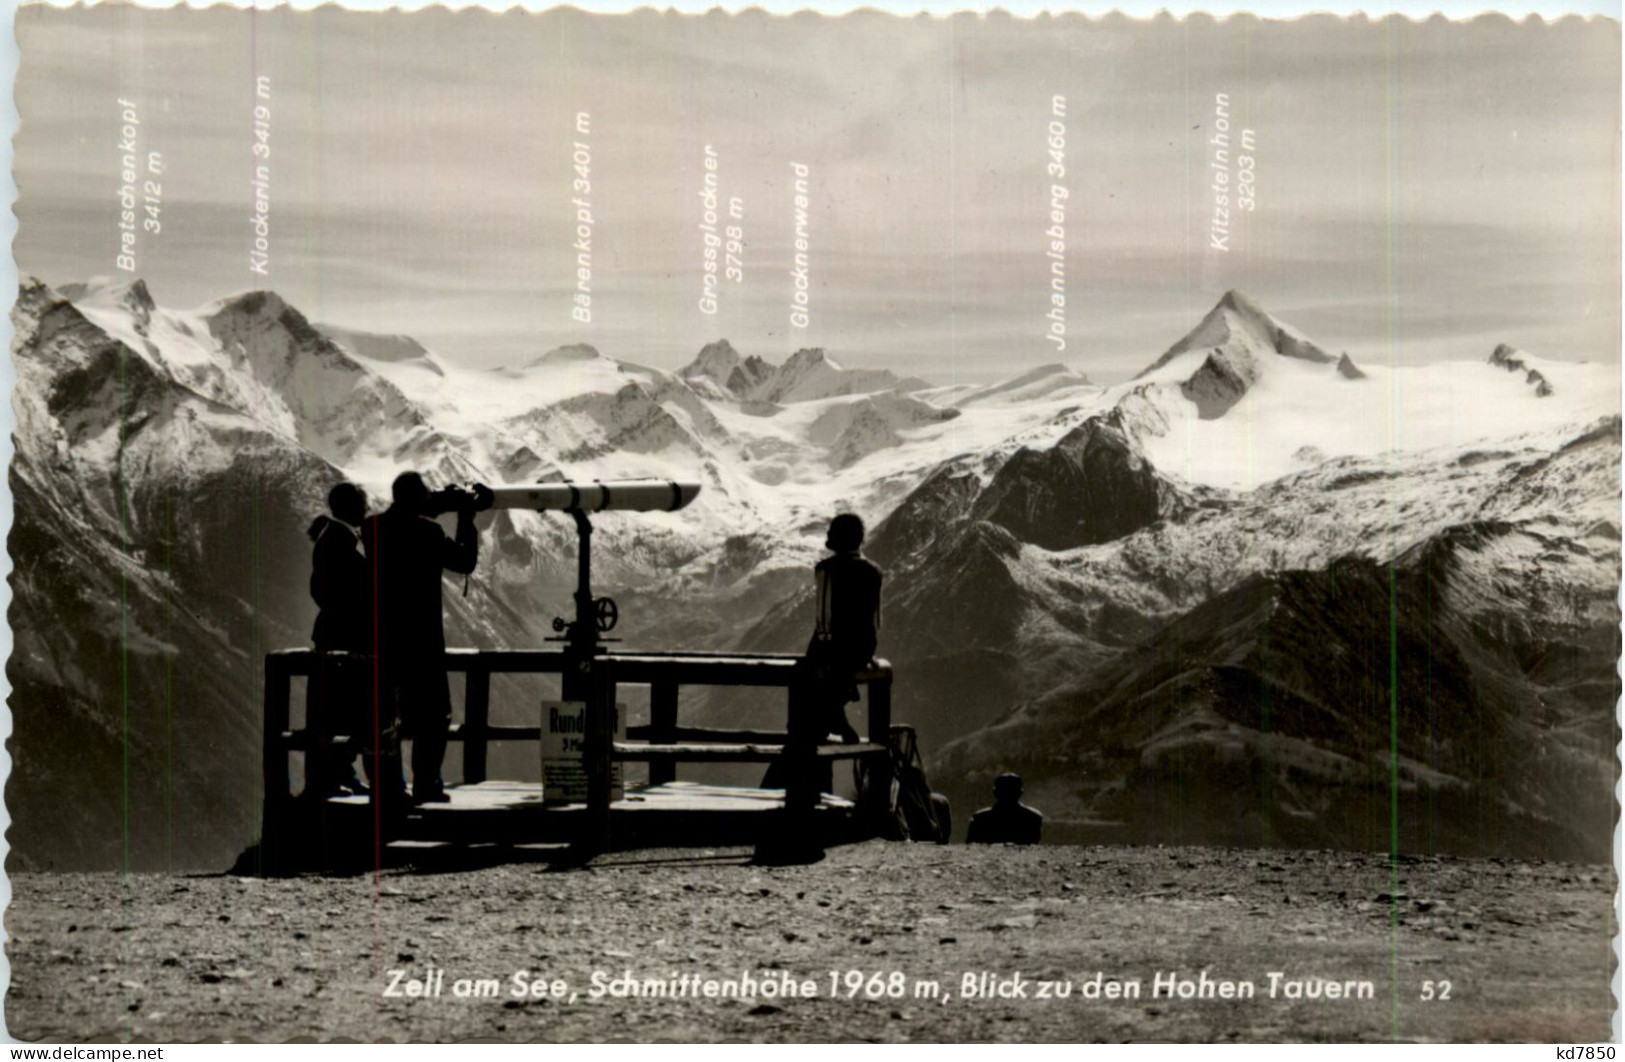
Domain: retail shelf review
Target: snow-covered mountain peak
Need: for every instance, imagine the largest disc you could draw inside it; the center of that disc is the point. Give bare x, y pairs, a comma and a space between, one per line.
569, 354
721, 372
1512, 359
1245, 398
1045, 380
247, 305
386, 349
1237, 324
1233, 349
808, 359
717, 360
116, 297
376, 346
112, 292
1033, 375
853, 429
1237, 311
811, 374
1231, 314
33, 292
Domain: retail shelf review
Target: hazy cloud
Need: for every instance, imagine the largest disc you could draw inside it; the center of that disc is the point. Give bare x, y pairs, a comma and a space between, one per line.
1443, 183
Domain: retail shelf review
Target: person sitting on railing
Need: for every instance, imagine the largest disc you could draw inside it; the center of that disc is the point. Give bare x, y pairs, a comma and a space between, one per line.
408, 552
847, 628
846, 631
339, 695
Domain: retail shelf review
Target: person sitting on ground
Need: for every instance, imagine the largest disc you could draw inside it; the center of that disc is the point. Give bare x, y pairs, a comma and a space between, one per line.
1008, 821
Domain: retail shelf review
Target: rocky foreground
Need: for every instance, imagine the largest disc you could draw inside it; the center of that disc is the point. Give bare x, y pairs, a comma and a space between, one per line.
1524, 948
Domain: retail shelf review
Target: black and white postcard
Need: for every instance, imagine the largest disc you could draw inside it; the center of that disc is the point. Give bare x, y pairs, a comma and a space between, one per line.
569, 526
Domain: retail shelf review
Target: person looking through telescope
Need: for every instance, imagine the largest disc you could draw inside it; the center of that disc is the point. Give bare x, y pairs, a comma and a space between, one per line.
408, 552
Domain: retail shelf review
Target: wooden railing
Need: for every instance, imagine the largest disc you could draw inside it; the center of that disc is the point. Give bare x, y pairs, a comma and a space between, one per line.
663, 742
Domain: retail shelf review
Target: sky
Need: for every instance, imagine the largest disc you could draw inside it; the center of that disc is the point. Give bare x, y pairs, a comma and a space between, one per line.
1424, 190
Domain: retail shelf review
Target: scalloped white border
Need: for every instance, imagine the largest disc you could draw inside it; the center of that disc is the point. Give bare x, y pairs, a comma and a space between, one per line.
1455, 10
9, 124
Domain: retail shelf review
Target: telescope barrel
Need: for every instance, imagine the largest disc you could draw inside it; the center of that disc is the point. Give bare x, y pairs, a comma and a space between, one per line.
631, 495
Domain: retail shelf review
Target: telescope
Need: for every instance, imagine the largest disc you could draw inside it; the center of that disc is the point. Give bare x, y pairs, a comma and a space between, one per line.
630, 495
594, 616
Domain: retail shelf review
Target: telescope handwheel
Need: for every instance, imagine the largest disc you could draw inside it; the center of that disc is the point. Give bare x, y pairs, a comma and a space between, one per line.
606, 614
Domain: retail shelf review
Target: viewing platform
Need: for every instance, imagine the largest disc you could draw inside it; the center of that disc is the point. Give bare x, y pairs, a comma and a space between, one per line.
663, 812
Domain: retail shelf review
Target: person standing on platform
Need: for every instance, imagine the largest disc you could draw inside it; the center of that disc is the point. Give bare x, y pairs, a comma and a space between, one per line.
408, 553
339, 693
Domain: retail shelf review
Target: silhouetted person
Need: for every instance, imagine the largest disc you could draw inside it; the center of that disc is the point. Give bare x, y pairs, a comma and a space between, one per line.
338, 698
847, 626
846, 629
408, 552
1008, 821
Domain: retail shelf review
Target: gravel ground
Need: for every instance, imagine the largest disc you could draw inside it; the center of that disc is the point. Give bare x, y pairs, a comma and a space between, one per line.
1524, 947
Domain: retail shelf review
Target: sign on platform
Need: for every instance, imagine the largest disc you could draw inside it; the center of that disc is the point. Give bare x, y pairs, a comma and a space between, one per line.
564, 765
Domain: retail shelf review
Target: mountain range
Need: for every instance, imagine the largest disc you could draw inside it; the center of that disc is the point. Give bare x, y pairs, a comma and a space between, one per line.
1260, 593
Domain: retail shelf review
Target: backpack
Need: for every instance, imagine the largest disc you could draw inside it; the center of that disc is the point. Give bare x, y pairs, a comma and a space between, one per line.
912, 811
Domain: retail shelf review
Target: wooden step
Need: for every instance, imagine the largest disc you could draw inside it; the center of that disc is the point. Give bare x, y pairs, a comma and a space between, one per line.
690, 751
712, 752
